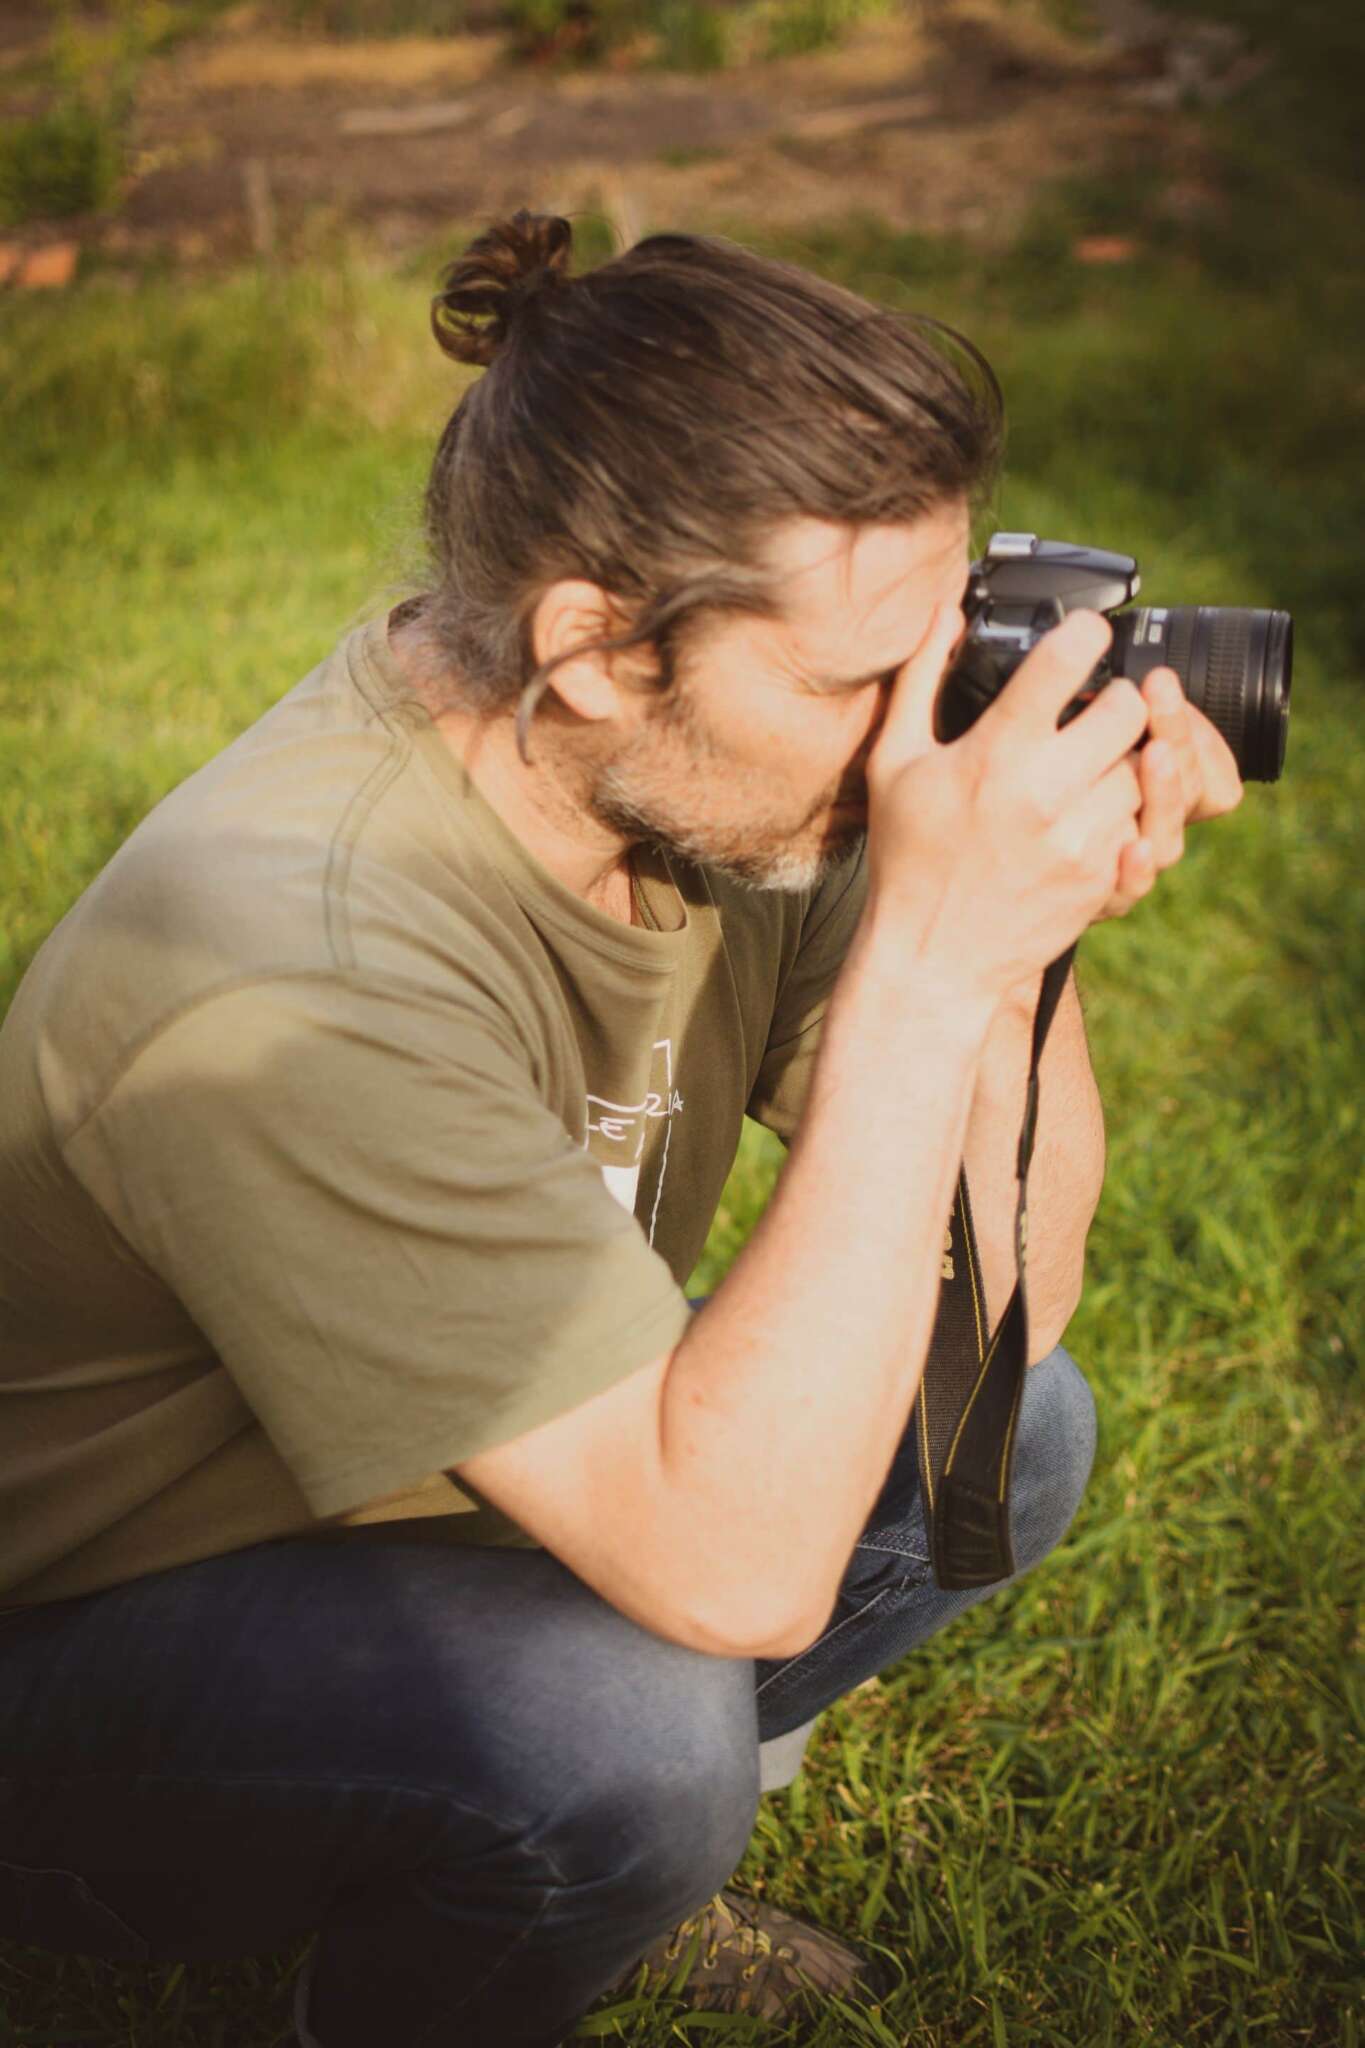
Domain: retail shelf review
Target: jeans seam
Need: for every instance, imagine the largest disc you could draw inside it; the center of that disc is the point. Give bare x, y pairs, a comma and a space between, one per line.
496, 1971
91, 1896
891, 1550
793, 1663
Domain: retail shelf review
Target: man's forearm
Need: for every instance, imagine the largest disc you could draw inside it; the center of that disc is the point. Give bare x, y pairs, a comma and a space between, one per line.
1068, 1162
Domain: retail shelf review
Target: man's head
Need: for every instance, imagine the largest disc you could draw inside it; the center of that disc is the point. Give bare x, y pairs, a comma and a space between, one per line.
753, 760
698, 497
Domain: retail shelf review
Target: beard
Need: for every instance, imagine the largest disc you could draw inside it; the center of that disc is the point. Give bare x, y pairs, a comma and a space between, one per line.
672, 789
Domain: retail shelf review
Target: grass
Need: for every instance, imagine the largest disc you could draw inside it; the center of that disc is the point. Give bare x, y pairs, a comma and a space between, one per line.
1119, 1804
681, 35
372, 19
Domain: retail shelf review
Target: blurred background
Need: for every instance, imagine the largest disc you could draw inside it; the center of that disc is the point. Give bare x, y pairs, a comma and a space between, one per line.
1116, 1804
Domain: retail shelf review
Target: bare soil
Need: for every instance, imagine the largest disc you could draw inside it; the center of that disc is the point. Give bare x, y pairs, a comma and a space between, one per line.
941, 115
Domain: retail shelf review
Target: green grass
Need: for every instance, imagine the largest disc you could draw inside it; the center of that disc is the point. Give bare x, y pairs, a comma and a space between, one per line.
372, 19
680, 35
797, 27
1118, 1804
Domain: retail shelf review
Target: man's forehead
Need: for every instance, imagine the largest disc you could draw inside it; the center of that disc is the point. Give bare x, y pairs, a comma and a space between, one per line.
833, 579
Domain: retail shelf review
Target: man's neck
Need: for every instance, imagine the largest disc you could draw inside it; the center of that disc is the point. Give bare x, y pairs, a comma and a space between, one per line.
532, 800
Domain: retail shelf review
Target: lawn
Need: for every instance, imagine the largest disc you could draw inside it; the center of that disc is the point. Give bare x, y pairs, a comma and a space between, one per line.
1116, 1805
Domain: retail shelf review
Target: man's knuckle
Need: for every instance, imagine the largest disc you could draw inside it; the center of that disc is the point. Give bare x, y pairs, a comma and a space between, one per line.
1038, 809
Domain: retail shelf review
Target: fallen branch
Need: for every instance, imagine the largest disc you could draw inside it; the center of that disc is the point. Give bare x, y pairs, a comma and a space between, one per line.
424, 120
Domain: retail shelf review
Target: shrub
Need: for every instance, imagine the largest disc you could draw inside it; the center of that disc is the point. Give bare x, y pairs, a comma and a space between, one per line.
68, 160
362, 19
806, 25
686, 35
693, 36
579, 31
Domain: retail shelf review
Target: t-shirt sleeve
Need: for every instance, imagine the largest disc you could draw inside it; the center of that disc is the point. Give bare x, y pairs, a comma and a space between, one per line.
779, 1092
385, 1234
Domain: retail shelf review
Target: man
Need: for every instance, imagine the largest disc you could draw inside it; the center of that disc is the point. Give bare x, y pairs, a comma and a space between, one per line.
391, 1551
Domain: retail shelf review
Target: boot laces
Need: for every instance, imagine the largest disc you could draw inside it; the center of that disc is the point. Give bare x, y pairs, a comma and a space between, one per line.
720, 1926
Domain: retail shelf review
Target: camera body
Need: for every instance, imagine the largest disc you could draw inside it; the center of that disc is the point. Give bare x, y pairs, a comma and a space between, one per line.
1235, 664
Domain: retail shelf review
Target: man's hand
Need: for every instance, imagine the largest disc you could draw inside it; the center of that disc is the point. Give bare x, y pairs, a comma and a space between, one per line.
1187, 773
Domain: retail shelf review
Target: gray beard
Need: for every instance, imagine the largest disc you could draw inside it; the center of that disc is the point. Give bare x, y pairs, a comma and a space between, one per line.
621, 797
777, 868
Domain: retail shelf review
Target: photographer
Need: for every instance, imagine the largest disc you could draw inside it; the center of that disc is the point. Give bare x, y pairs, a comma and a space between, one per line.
390, 1551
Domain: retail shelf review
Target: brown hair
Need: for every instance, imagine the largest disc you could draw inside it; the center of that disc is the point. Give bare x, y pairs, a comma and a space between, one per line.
647, 424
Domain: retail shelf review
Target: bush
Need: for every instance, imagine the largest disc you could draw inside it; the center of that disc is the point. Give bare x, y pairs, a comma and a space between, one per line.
685, 35
579, 31
694, 36
68, 160
362, 19
71, 157
800, 26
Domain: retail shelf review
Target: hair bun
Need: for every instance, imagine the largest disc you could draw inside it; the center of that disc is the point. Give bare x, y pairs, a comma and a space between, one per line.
484, 289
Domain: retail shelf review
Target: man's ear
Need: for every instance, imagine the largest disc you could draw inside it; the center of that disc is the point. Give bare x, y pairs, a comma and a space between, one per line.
575, 613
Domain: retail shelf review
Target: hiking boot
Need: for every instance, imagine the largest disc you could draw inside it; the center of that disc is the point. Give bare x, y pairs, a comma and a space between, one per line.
737, 1955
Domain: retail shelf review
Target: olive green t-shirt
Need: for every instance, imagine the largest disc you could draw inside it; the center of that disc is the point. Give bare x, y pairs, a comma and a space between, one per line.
339, 1141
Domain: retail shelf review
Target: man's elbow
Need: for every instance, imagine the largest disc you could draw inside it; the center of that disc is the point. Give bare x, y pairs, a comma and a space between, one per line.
1043, 1340
1050, 1316
798, 1636
735, 1630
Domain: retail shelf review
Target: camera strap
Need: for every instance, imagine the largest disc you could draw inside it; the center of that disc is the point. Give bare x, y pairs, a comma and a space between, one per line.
968, 1402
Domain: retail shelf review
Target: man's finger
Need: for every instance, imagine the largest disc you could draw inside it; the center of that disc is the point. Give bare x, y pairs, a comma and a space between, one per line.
1170, 725
1105, 813
1137, 874
1105, 732
1050, 676
1209, 776
1162, 822
908, 727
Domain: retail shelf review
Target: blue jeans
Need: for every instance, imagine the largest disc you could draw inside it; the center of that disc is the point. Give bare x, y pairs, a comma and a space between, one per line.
486, 1789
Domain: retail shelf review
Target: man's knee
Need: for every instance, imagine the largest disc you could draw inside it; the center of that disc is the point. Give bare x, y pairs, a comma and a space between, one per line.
1053, 1452
609, 1757
662, 1803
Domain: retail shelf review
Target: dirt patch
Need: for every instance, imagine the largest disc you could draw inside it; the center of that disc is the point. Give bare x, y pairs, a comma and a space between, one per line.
944, 116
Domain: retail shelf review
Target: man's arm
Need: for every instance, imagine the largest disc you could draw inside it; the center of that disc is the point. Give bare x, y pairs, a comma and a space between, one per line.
1067, 1172
715, 1496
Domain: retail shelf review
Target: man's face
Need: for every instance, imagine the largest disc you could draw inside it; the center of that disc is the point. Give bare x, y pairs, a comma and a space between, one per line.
755, 761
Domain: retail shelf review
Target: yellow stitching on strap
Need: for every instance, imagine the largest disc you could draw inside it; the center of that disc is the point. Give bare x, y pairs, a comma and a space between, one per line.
971, 1398
971, 1268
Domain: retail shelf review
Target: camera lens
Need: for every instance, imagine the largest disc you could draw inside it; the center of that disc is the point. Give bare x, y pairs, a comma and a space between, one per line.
1236, 667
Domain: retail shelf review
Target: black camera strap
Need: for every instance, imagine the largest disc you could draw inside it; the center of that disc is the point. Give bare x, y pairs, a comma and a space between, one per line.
969, 1396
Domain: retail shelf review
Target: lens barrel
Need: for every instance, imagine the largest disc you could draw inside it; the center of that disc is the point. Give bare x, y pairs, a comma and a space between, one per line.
1236, 667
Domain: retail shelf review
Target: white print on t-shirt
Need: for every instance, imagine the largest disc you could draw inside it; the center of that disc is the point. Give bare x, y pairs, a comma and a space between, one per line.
619, 1131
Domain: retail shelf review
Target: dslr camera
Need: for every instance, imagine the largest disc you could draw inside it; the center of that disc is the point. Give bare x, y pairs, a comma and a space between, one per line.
1234, 664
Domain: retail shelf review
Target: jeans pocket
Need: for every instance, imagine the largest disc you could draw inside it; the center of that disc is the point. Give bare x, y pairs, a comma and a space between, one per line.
56, 1910
847, 1652
880, 1564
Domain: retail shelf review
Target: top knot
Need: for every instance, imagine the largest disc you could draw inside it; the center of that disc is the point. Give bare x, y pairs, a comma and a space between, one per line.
484, 290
